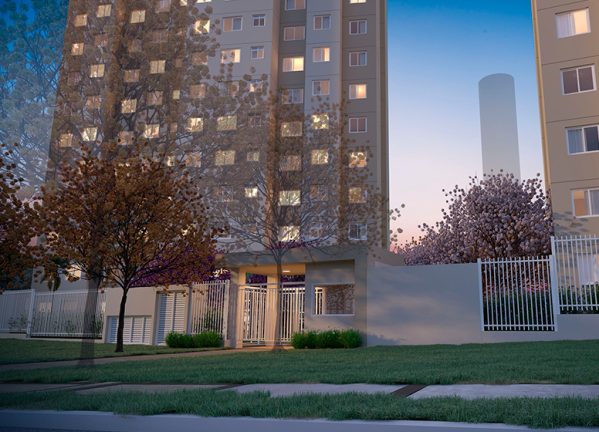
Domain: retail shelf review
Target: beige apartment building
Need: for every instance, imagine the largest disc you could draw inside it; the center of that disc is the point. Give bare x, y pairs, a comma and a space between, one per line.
567, 55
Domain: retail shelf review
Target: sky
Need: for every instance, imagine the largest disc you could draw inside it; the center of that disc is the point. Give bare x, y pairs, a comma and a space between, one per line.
438, 52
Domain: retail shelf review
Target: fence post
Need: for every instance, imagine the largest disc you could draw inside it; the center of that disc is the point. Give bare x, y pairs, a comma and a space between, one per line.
225, 310
480, 293
554, 283
30, 317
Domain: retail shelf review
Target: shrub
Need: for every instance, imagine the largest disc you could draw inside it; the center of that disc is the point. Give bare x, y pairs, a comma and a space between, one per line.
350, 338
205, 339
326, 339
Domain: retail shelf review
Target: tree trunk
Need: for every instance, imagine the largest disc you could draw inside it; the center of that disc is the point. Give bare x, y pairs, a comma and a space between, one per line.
121, 328
278, 303
88, 338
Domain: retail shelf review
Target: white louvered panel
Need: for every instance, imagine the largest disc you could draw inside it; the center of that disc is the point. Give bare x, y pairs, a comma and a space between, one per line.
127, 331
172, 315
137, 330
179, 309
112, 327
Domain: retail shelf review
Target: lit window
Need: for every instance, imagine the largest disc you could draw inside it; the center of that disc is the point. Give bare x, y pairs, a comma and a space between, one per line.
357, 1
90, 134
126, 137
259, 20
318, 193
321, 54
193, 159
251, 192
257, 53
578, 80
583, 139
200, 1
290, 198
155, 98
293, 64
202, 26
357, 195
253, 156
357, 91
171, 160
231, 55
152, 131
174, 127
254, 120
322, 22
357, 125
289, 233
77, 49
163, 6
320, 87
585, 202
160, 36
226, 123
255, 85
80, 20
135, 45
291, 163
96, 70
157, 66
357, 160
320, 121
104, 10
66, 140
93, 102
358, 232
320, 157
294, 33
101, 40
293, 96
132, 75
138, 16
232, 24
291, 129
224, 157
357, 27
357, 58
176, 94
198, 91
195, 124
199, 59
295, 4
573, 23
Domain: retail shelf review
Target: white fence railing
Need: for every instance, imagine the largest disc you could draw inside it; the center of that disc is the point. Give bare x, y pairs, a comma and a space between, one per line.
270, 313
577, 273
516, 294
15, 308
209, 308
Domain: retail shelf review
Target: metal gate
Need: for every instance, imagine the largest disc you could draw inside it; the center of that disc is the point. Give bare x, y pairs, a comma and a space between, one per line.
209, 307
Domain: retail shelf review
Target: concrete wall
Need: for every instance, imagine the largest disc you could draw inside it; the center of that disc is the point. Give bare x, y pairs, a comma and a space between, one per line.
425, 305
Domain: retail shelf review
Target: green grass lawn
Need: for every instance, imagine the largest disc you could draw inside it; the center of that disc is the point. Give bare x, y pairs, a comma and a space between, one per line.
566, 362
32, 350
532, 412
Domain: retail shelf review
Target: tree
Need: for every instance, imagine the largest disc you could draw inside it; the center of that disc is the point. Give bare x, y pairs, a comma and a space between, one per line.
113, 218
496, 217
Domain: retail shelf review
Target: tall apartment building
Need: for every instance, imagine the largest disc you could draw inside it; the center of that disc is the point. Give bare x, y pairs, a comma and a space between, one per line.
567, 55
310, 48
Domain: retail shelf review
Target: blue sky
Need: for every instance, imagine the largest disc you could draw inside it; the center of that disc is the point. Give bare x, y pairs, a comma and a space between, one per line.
438, 52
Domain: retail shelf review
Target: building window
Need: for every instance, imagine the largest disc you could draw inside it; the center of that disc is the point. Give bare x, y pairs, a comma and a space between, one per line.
357, 58
338, 299
152, 131
90, 134
573, 23
160, 36
198, 91
291, 163
232, 24
320, 121
293, 64
125, 137
80, 20
585, 202
357, 27
322, 22
132, 75
138, 16
290, 198
93, 102
96, 70
74, 78
135, 45
255, 85
357, 91
101, 40
320, 157
224, 157
254, 120
357, 195
253, 156
293, 96
193, 159
259, 20
357, 160
157, 66
578, 80
289, 233
163, 6
223, 194
295, 4
358, 232
251, 192
66, 140
320, 87
318, 193
195, 124
295, 33
176, 94
202, 26
357, 125
155, 98
231, 55
226, 123
257, 53
582, 139
321, 54
357, 1
77, 49
104, 10
179, 63
291, 129
199, 59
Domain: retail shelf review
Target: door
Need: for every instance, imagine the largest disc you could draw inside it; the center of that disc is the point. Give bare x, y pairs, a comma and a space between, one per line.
171, 316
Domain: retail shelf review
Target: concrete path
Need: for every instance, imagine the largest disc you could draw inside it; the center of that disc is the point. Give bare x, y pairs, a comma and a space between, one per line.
473, 391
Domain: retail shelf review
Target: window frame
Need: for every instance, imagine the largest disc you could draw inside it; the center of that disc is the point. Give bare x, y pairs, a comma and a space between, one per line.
290, 99
232, 19
236, 56
325, 54
259, 17
581, 128
316, 285
104, 7
359, 52
293, 61
587, 203
570, 13
287, 2
322, 17
358, 118
365, 91
321, 93
257, 49
365, 21
592, 66
294, 33
141, 15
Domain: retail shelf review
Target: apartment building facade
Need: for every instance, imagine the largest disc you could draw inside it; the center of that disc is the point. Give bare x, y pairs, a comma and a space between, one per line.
129, 67
567, 55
